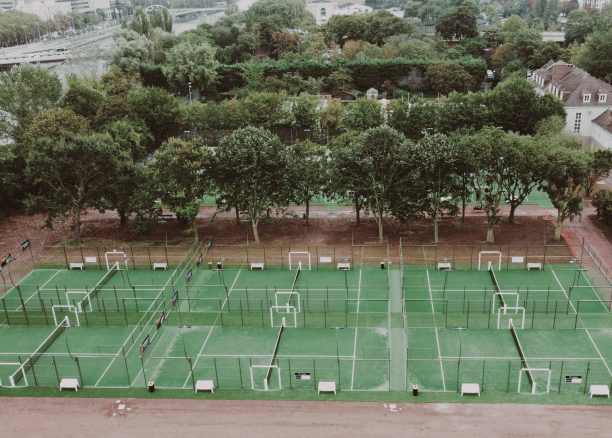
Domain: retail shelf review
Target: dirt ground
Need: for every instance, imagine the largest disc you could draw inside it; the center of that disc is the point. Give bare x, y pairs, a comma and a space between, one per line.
70, 417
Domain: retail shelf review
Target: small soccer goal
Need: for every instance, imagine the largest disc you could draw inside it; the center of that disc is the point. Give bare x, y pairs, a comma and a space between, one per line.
277, 320
114, 257
492, 257
299, 260
504, 319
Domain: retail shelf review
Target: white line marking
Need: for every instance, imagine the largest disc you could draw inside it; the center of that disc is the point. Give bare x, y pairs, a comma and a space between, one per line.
585, 329
595, 293
34, 293
433, 312
356, 328
213, 326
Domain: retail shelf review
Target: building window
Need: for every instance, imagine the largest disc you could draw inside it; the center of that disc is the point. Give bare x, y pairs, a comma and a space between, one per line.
577, 123
586, 98
323, 12
602, 97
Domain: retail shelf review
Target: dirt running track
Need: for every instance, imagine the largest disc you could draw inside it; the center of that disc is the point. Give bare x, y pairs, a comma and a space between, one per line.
67, 418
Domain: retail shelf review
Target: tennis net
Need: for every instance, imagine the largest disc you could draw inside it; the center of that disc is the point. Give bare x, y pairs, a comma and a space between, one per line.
98, 287
30, 361
523, 358
269, 373
500, 297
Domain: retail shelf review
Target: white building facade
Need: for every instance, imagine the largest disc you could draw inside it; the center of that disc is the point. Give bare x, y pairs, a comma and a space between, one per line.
323, 10
44, 9
584, 96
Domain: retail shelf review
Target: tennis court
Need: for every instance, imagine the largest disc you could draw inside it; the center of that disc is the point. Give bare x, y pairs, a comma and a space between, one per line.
261, 319
529, 320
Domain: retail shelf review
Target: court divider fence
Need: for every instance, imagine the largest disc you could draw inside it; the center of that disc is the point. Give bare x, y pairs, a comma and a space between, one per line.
571, 376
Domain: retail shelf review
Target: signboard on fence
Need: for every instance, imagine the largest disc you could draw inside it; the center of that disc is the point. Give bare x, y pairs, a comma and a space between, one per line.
5, 260
24, 245
174, 299
160, 321
189, 275
145, 344
209, 244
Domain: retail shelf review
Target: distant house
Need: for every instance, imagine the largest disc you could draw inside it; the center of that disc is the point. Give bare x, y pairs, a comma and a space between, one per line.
344, 95
372, 93
323, 10
585, 97
602, 130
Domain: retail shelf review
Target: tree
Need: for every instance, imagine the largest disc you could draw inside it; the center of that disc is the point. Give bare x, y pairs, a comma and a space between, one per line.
566, 173
438, 156
305, 110
342, 28
446, 77
602, 200
74, 173
340, 79
52, 123
131, 137
157, 108
378, 165
82, 98
25, 92
11, 179
457, 23
267, 110
597, 56
579, 25
191, 63
133, 52
180, 176
308, 171
601, 163
484, 150
361, 115
140, 22
252, 169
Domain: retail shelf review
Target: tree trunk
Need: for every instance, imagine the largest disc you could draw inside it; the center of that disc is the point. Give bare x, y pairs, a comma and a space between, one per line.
122, 217
308, 212
237, 216
558, 225
380, 231
255, 232
357, 208
490, 238
436, 231
194, 228
77, 225
463, 209
512, 210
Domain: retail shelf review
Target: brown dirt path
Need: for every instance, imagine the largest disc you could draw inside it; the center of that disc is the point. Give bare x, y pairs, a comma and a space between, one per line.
71, 417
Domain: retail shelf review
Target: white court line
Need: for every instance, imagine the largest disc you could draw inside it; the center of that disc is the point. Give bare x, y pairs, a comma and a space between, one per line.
592, 287
514, 358
34, 293
212, 327
157, 344
433, 313
356, 328
585, 329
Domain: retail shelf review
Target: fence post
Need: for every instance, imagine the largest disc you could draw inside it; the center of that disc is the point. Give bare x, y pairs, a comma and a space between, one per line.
56, 372
80, 374
216, 373
105, 317
561, 376
66, 258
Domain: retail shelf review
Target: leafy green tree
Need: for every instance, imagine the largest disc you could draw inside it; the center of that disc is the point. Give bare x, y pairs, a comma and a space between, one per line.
82, 98
157, 108
579, 25
597, 56
446, 77
191, 63
602, 200
74, 173
460, 110
342, 28
180, 176
378, 163
438, 156
308, 172
12, 180
340, 79
133, 52
124, 195
601, 163
252, 169
52, 123
267, 110
131, 137
140, 22
330, 118
484, 150
361, 115
459, 23
414, 122
567, 172
305, 110
24, 92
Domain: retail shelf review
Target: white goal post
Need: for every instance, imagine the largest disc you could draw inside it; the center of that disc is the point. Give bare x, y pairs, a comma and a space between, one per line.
503, 295
287, 308
533, 388
490, 252
114, 254
516, 309
288, 300
299, 256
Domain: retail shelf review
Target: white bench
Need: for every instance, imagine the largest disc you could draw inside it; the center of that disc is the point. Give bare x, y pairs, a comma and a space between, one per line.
327, 387
257, 266
205, 385
600, 390
344, 266
442, 266
470, 388
160, 266
534, 266
69, 383
76, 266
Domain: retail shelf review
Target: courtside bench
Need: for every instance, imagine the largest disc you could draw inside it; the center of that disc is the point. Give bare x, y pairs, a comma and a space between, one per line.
470, 388
163, 266
531, 266
444, 266
327, 387
344, 266
257, 266
205, 385
69, 383
600, 390
76, 266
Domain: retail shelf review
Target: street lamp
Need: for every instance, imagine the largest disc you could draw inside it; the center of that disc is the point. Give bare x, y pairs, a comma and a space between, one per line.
15, 33
189, 93
25, 33
38, 25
